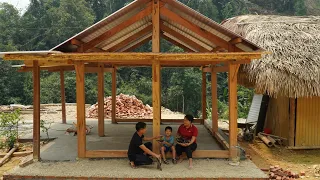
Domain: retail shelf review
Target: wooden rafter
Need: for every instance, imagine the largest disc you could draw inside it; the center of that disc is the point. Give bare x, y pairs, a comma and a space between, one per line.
130, 39
176, 43
196, 29
236, 41
140, 43
182, 38
142, 14
80, 44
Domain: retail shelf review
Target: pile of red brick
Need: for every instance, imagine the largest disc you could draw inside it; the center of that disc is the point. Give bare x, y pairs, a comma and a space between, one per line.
276, 172
126, 106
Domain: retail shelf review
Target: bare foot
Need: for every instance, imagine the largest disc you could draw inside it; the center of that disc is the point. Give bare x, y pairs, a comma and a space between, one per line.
190, 167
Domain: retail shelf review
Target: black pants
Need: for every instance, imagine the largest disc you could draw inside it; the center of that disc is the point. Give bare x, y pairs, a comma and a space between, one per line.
142, 159
188, 150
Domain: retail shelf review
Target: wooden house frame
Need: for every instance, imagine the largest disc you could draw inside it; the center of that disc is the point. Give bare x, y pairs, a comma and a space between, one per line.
109, 43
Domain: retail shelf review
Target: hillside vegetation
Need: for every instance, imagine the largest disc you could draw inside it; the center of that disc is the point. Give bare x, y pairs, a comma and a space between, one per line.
47, 23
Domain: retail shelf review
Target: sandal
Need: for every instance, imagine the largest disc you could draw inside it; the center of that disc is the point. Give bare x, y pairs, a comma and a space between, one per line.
132, 165
165, 161
174, 161
159, 164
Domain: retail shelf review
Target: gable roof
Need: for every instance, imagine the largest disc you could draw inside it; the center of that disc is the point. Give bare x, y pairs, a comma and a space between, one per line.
131, 26
293, 68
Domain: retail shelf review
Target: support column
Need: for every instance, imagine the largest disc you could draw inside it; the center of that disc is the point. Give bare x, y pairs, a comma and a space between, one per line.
114, 95
36, 111
63, 97
156, 84
233, 110
214, 96
101, 99
204, 97
81, 121
292, 120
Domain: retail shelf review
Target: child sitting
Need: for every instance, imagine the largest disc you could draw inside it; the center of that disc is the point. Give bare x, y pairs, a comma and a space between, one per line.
168, 145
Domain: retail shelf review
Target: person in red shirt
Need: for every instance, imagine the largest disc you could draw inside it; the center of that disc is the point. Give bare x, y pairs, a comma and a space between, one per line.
188, 139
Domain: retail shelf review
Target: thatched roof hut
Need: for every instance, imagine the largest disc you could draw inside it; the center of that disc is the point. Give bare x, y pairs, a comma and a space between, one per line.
293, 68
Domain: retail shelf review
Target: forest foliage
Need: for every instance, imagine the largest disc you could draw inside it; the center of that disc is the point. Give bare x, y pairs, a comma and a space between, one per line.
47, 23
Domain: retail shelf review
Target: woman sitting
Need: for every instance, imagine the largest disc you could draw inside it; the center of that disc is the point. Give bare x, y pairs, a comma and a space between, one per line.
187, 141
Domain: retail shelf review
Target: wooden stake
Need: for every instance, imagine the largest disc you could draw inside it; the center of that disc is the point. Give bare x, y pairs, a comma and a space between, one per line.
233, 110
36, 111
156, 103
63, 97
114, 95
7, 156
292, 120
204, 97
101, 100
214, 96
81, 121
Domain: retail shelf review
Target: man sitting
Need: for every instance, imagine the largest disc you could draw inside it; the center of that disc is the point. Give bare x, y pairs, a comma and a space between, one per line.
139, 153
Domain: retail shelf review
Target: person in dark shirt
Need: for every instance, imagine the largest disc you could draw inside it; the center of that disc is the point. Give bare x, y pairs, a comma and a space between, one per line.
188, 139
139, 153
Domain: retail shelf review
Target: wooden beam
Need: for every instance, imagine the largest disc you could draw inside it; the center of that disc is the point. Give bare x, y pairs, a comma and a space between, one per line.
176, 43
233, 110
142, 14
130, 49
123, 154
182, 38
292, 122
63, 98
80, 46
114, 95
81, 121
204, 97
156, 26
216, 69
101, 100
214, 100
126, 120
217, 49
156, 103
36, 111
130, 39
217, 136
196, 29
236, 40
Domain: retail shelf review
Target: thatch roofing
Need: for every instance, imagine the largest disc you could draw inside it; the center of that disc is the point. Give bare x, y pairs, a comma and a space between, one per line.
293, 68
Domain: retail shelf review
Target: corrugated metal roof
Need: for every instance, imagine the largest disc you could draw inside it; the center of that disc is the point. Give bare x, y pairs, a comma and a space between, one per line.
137, 6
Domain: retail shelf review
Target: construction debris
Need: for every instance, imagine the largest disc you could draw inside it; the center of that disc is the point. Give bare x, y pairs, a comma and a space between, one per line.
126, 106
276, 172
265, 140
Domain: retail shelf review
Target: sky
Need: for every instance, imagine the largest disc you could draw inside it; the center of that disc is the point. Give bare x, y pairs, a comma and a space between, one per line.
21, 5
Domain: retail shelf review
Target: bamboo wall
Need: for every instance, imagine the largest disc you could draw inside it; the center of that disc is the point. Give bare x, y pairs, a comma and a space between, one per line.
277, 118
308, 122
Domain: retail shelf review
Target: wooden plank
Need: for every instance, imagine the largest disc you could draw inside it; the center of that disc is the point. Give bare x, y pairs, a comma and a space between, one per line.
123, 154
81, 121
217, 136
119, 57
176, 43
139, 16
129, 120
292, 121
204, 97
182, 38
137, 45
156, 102
233, 110
36, 111
130, 39
18, 154
214, 100
196, 29
63, 98
236, 40
114, 94
217, 49
101, 100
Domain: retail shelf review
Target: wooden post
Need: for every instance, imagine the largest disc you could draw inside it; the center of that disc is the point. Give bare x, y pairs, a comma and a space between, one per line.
292, 120
81, 121
233, 110
36, 111
156, 84
114, 95
214, 96
204, 97
101, 100
63, 97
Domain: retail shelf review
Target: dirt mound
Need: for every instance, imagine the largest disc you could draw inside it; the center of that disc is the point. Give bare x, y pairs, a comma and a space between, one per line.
126, 106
